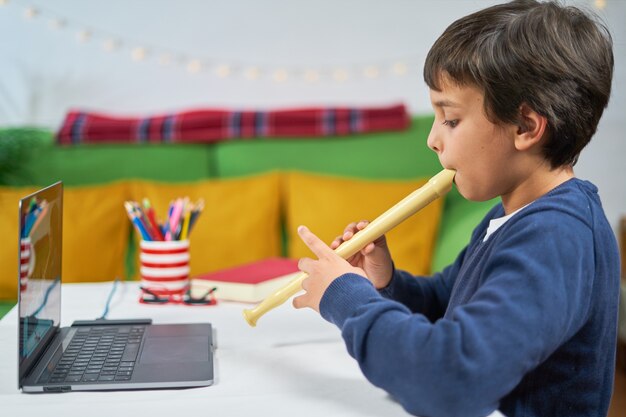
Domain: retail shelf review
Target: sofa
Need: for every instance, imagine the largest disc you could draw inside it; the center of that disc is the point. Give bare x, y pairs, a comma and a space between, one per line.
255, 192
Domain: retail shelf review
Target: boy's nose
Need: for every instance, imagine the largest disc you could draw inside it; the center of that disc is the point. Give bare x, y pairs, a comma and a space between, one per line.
433, 142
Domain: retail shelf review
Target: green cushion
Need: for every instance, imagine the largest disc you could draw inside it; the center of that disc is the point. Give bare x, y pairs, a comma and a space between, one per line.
17, 146
388, 155
95, 164
5, 306
39, 161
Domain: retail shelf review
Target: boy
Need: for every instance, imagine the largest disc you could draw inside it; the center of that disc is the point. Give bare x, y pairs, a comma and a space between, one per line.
524, 321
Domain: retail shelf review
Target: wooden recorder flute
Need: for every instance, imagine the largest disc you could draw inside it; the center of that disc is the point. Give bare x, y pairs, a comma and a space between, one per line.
436, 187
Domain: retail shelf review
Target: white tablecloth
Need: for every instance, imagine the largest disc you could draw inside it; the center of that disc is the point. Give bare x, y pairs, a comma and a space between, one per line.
292, 364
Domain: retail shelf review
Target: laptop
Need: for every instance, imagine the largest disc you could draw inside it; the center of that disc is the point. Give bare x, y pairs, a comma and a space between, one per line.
91, 355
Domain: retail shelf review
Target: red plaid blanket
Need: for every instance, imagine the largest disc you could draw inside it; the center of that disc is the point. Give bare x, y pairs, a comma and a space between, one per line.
208, 125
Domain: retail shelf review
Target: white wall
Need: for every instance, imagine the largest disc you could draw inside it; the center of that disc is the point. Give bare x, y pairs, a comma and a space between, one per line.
44, 72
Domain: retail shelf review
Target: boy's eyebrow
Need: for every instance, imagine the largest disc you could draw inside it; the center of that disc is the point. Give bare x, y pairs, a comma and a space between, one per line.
446, 103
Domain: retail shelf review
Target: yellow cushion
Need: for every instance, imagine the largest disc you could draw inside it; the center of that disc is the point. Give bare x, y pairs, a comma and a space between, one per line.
95, 232
9, 272
239, 224
327, 204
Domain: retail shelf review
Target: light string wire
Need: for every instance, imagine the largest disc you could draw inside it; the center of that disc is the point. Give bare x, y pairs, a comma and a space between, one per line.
145, 51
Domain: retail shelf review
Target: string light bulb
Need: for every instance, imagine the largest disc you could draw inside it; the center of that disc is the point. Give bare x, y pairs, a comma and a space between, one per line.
165, 59
83, 36
30, 12
311, 76
252, 73
138, 53
223, 71
194, 66
600, 4
399, 68
110, 45
340, 75
280, 76
371, 72
4, 2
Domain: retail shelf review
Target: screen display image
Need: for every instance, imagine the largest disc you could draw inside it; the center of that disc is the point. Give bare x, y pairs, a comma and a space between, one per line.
40, 240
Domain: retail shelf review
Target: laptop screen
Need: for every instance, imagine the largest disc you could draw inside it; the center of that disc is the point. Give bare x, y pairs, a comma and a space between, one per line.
39, 299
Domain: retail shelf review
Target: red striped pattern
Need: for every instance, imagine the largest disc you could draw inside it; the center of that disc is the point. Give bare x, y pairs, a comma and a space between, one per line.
27, 262
214, 125
164, 266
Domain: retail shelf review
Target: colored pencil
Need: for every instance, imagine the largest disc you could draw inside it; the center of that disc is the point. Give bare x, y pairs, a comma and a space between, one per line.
175, 218
144, 221
181, 217
135, 220
185, 227
152, 219
40, 216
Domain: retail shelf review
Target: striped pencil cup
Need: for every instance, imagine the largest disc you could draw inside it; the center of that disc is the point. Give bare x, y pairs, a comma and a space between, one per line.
164, 266
27, 261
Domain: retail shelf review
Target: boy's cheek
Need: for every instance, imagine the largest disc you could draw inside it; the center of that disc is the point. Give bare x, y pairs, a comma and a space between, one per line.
465, 188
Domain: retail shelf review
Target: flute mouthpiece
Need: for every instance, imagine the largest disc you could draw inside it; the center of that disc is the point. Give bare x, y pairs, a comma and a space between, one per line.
442, 182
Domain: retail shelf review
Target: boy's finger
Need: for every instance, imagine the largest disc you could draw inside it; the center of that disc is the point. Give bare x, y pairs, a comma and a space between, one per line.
368, 248
304, 264
319, 248
299, 302
350, 227
305, 284
361, 225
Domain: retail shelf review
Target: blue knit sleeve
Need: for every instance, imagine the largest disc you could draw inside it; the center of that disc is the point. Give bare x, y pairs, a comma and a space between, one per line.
430, 295
534, 295
425, 295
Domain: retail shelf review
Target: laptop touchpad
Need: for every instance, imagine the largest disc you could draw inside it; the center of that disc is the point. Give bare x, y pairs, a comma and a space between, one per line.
175, 349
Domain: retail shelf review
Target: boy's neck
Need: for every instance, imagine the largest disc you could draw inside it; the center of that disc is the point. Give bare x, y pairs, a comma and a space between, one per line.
540, 182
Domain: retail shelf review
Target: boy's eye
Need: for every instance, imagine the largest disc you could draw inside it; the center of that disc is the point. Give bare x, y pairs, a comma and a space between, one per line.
451, 123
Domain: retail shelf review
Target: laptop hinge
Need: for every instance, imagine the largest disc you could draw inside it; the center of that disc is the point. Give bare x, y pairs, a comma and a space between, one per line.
39, 355
107, 322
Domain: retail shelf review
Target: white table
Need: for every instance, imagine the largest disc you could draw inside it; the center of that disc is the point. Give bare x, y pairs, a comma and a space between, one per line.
292, 364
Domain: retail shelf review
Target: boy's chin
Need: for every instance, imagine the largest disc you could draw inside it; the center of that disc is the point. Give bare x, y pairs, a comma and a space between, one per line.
471, 194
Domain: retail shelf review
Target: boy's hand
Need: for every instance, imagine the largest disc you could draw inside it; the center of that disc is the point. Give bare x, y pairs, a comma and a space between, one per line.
374, 258
322, 272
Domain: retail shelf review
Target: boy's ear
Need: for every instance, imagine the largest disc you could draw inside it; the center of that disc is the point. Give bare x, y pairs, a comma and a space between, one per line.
531, 129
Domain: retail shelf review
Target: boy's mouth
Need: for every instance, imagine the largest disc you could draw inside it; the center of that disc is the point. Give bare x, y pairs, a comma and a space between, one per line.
445, 166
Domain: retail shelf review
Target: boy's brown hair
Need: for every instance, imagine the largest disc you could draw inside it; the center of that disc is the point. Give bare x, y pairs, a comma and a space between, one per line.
558, 60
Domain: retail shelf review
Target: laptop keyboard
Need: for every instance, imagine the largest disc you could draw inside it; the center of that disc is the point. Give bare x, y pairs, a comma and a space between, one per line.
100, 353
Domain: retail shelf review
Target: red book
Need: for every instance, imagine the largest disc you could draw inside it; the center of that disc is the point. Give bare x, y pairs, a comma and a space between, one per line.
249, 283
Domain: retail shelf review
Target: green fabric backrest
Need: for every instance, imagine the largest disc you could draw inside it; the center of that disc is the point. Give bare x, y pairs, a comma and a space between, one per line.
388, 155
29, 156
97, 164
17, 146
5, 306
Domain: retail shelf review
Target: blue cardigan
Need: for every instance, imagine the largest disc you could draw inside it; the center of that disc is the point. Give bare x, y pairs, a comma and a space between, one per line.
524, 322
